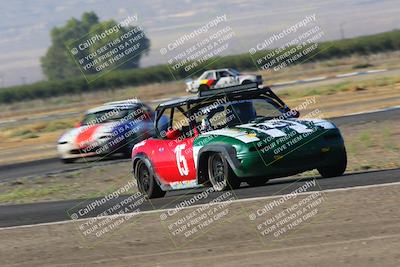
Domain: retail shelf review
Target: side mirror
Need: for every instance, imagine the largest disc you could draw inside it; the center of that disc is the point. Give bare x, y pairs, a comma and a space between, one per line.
295, 113
173, 134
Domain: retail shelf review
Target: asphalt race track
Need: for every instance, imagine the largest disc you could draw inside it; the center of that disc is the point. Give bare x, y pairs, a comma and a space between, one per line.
47, 166
27, 214
54, 165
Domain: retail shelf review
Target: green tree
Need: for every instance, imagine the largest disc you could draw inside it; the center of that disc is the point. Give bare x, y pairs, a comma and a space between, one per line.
58, 63
132, 50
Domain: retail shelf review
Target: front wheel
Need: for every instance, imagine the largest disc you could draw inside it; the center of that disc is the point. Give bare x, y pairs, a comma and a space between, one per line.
146, 181
220, 173
247, 82
336, 169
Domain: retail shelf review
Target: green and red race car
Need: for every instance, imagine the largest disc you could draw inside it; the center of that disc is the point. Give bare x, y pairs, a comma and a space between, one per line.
237, 134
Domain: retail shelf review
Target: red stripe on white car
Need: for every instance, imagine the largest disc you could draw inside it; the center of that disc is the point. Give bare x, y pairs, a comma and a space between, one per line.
86, 135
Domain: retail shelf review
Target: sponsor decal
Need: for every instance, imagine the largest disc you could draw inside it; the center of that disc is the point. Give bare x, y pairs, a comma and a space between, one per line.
257, 127
183, 184
235, 133
271, 127
322, 123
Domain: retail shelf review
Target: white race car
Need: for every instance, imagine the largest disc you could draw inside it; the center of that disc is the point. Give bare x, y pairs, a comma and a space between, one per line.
114, 127
221, 78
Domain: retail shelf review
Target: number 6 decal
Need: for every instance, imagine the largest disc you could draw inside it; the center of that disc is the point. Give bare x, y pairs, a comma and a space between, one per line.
181, 161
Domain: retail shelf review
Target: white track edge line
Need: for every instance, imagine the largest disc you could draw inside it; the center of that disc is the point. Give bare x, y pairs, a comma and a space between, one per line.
199, 205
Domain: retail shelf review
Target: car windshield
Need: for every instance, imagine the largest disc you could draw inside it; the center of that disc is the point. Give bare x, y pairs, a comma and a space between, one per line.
235, 113
234, 72
104, 116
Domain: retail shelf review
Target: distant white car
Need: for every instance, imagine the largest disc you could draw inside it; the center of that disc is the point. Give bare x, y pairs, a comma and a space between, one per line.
114, 127
221, 78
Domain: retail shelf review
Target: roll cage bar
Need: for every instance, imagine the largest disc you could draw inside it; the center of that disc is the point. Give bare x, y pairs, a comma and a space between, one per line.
190, 104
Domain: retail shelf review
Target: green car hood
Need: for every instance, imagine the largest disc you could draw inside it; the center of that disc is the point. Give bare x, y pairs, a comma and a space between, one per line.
271, 129
268, 135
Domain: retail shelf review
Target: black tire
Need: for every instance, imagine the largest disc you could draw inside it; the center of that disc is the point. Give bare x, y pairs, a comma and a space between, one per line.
220, 173
257, 181
336, 169
68, 161
203, 87
146, 182
247, 82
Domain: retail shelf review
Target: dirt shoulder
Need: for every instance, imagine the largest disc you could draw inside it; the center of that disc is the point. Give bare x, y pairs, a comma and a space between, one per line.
357, 227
